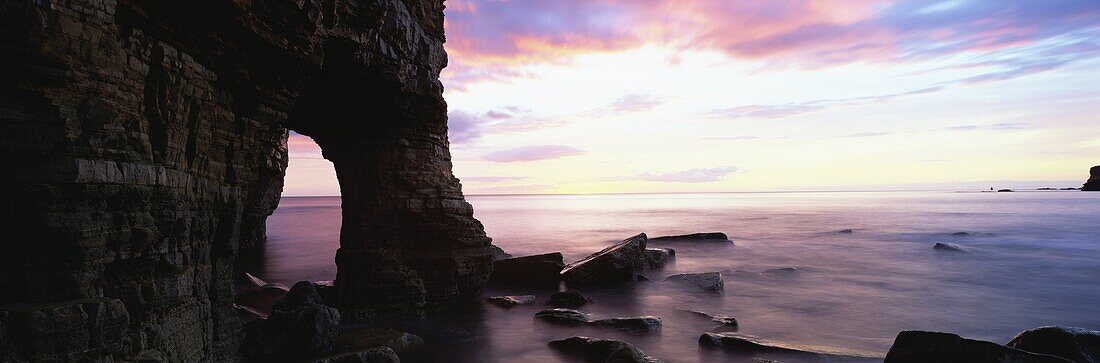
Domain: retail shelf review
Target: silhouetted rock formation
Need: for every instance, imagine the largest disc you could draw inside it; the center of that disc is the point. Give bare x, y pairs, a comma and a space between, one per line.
144, 144
615, 264
1093, 184
1076, 344
541, 269
299, 327
718, 237
922, 346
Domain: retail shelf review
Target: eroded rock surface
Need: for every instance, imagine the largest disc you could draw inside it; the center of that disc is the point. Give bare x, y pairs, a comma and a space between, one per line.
615, 264
299, 327
145, 145
602, 350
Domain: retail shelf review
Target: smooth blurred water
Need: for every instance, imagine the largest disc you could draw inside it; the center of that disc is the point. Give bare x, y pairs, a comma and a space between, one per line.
1035, 261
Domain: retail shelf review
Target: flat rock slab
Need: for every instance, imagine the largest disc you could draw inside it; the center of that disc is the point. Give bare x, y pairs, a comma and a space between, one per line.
511, 300
540, 270
706, 237
563, 316
709, 281
615, 264
723, 320
923, 346
635, 324
360, 339
602, 350
568, 299
1075, 344
753, 346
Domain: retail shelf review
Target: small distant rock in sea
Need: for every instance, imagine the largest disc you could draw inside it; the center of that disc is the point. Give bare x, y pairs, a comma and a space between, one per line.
1004, 190
714, 237
1069, 189
710, 281
1093, 184
849, 230
783, 271
511, 300
942, 246
961, 234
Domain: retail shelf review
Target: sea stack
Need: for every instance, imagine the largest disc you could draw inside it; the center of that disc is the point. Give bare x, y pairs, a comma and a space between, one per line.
1093, 185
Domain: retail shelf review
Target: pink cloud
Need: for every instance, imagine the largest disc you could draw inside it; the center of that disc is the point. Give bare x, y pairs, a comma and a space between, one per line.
532, 153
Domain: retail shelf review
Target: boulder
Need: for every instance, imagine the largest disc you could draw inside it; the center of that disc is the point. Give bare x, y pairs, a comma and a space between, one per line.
1093, 184
635, 324
563, 316
950, 247
541, 269
710, 281
327, 290
723, 320
751, 346
300, 326
248, 314
656, 258
511, 300
1076, 344
499, 254
602, 350
372, 355
404, 344
568, 299
923, 346
614, 264
711, 237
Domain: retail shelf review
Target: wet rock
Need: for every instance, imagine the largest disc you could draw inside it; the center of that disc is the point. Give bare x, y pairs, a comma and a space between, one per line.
712, 237
562, 316
723, 320
1093, 184
923, 346
248, 314
372, 355
950, 247
510, 301
849, 230
783, 271
658, 257
544, 269
499, 254
751, 346
298, 327
1075, 344
404, 344
568, 299
73, 330
614, 264
635, 324
602, 350
710, 281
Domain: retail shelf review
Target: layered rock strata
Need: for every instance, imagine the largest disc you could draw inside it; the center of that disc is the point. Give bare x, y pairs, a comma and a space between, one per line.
145, 143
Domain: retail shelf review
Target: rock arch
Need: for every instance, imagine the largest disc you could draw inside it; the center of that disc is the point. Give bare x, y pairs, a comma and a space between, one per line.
145, 147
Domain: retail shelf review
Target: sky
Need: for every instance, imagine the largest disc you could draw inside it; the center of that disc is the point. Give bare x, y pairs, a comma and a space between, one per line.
629, 96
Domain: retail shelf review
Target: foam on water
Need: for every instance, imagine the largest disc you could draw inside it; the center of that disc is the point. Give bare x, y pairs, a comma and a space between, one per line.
1035, 260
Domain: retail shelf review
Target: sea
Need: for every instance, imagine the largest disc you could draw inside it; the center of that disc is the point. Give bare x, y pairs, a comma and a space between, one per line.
1033, 259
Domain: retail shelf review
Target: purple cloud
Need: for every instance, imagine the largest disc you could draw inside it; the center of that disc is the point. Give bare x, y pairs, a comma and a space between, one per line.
532, 153
793, 109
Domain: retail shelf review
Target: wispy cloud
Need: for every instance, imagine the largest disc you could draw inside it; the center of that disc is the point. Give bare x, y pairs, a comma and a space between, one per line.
1001, 126
493, 179
726, 138
779, 111
701, 175
532, 153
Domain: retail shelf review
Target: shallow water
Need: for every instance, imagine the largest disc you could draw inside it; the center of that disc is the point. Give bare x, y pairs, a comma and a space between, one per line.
1035, 261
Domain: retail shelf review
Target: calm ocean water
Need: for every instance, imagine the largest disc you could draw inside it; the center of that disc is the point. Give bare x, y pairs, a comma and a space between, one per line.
1035, 261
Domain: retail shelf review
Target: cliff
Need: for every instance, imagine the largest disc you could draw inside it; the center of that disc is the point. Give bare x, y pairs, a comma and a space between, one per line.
1093, 184
145, 145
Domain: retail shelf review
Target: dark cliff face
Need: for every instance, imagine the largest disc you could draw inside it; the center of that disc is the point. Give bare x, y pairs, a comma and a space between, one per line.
1093, 184
145, 143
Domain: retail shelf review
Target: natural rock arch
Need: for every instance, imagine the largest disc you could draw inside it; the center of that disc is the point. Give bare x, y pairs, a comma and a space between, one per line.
146, 144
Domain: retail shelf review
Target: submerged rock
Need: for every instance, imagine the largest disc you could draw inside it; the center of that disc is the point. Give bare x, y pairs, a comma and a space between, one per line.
402, 343
750, 346
1076, 344
950, 247
602, 350
568, 299
563, 316
298, 327
658, 257
635, 324
923, 346
511, 300
541, 269
712, 237
723, 320
849, 230
961, 234
615, 264
372, 355
710, 281
1093, 184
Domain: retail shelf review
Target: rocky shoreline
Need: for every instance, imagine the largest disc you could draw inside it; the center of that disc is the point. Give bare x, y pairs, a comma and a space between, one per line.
325, 339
